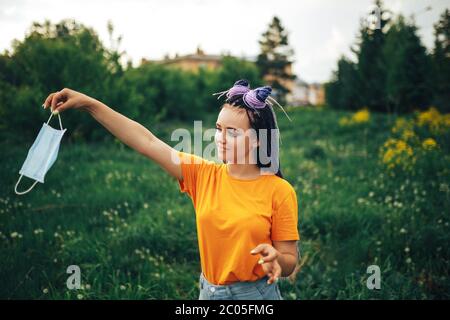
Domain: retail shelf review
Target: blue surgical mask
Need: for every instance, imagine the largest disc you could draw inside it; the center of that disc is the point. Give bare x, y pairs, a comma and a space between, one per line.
42, 154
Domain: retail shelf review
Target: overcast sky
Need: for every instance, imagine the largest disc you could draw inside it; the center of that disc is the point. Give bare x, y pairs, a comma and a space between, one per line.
319, 30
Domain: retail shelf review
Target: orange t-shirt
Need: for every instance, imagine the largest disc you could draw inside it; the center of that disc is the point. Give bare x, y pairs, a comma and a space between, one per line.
233, 216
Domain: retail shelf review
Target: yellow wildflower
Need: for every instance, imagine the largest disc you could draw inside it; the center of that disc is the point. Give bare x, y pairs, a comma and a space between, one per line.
408, 134
436, 122
397, 153
361, 116
387, 157
429, 144
401, 124
430, 116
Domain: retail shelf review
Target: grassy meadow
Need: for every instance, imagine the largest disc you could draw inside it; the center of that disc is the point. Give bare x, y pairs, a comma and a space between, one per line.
120, 218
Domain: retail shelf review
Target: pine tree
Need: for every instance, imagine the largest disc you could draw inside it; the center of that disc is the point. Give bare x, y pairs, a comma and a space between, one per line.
341, 92
441, 63
276, 58
408, 68
371, 71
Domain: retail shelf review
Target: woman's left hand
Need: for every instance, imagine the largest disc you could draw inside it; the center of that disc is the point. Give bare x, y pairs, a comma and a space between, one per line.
269, 261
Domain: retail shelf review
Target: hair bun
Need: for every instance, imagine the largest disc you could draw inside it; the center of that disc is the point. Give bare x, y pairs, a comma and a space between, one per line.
242, 82
263, 92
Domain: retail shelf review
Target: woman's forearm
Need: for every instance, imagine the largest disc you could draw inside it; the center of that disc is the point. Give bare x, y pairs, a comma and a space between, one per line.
287, 263
130, 132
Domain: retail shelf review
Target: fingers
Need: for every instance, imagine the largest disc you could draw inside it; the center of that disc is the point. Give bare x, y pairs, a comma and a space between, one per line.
268, 261
271, 256
260, 248
58, 97
60, 107
57, 101
277, 273
269, 253
274, 274
48, 101
272, 270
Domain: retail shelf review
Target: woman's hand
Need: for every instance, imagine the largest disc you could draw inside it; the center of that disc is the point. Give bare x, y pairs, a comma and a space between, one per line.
66, 99
269, 261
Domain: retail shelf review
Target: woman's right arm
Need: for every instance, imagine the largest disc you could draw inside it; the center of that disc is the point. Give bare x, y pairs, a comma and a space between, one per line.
130, 132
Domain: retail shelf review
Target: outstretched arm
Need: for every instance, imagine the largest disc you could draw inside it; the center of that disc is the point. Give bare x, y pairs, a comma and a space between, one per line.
130, 132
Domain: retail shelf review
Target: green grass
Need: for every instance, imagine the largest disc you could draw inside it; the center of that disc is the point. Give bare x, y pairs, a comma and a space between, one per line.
120, 218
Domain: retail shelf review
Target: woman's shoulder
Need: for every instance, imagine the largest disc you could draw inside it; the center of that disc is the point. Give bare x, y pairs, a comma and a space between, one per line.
191, 158
282, 188
197, 161
281, 183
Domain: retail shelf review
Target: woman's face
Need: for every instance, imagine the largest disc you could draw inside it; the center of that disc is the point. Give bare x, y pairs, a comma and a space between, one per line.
234, 138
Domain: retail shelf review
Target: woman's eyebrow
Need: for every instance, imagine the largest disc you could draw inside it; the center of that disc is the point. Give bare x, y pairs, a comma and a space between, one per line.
217, 124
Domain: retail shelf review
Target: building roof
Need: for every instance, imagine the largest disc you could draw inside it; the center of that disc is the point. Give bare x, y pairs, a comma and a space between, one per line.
199, 55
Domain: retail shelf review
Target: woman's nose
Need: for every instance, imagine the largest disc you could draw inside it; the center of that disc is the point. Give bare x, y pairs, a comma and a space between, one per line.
221, 142
221, 138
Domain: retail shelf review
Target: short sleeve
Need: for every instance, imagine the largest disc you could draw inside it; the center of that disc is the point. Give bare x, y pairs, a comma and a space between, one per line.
191, 166
285, 219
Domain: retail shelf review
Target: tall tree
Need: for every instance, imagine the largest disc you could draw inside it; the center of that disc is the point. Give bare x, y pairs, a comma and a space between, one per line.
441, 62
276, 58
341, 91
371, 71
51, 57
408, 68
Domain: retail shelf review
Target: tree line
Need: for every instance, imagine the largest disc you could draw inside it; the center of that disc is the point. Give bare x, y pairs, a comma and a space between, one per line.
70, 54
392, 70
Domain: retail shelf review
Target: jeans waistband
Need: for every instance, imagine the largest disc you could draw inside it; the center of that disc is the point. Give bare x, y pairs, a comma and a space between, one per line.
259, 282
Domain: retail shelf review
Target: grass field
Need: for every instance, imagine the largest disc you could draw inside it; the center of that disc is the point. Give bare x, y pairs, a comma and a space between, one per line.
120, 218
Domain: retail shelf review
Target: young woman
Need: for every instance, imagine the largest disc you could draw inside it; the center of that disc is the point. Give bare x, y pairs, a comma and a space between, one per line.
246, 213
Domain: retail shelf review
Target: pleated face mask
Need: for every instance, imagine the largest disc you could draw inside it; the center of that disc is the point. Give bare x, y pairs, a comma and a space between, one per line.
42, 154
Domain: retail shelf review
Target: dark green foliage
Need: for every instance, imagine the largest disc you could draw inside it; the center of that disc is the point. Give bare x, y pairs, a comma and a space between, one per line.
69, 54
393, 72
441, 63
408, 67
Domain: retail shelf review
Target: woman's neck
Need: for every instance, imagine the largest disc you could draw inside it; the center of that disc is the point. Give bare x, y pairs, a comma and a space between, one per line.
243, 171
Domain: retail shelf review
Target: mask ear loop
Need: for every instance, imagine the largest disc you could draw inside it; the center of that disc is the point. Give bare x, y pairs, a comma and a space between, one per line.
26, 191
20, 178
59, 117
